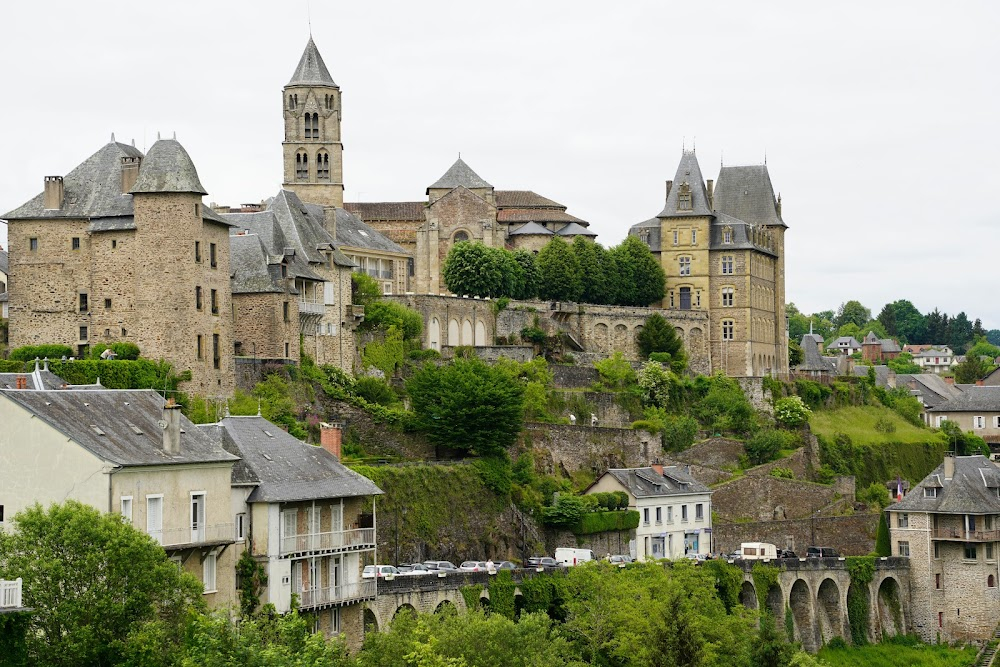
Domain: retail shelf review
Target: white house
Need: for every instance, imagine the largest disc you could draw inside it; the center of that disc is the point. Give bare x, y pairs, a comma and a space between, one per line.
675, 510
936, 359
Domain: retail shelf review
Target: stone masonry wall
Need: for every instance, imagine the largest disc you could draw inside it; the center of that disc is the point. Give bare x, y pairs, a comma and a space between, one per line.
602, 544
571, 448
261, 328
852, 535
765, 498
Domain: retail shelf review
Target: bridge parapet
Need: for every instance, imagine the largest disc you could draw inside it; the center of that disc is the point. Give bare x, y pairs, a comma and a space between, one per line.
819, 564
450, 581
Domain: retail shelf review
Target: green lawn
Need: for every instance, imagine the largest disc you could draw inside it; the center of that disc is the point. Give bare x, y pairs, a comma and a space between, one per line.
859, 423
898, 655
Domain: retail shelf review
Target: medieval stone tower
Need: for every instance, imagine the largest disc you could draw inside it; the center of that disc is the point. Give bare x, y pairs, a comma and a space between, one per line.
313, 152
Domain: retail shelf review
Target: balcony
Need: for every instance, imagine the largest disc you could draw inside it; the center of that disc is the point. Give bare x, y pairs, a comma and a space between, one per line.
311, 306
334, 595
358, 539
10, 594
196, 536
958, 534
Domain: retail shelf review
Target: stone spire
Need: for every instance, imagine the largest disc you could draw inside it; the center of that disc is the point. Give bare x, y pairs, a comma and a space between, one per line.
312, 70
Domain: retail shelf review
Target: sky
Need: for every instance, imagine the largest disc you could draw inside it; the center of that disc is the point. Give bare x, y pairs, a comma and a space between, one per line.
877, 120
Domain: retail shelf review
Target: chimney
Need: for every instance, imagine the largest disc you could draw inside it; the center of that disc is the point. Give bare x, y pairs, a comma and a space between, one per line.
949, 380
979, 383
330, 220
670, 184
657, 468
171, 425
130, 173
949, 465
710, 184
53, 193
330, 436
21, 382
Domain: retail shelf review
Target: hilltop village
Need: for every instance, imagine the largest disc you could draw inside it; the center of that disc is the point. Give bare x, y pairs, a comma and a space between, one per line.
320, 408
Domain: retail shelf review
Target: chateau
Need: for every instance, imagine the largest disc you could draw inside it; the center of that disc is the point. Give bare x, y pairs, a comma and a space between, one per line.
124, 249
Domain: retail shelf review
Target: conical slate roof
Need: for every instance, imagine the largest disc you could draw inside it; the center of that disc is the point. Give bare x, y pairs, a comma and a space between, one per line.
312, 70
460, 174
168, 168
688, 174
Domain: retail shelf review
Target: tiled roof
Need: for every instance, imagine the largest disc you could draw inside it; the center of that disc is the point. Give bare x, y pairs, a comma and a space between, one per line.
311, 70
167, 167
524, 199
459, 174
288, 469
102, 421
972, 489
389, 210
688, 172
745, 192
972, 399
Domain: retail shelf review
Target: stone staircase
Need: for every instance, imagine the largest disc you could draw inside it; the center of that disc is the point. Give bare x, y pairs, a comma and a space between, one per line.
989, 652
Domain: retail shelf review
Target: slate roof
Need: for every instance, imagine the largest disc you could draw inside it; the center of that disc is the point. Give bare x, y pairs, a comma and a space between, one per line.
929, 387
524, 199
38, 378
688, 171
812, 360
91, 190
311, 70
266, 227
300, 228
76, 413
932, 352
288, 469
459, 174
575, 229
250, 263
647, 483
4, 262
167, 167
532, 228
845, 342
389, 210
652, 227
745, 192
881, 374
352, 232
742, 235
972, 399
972, 489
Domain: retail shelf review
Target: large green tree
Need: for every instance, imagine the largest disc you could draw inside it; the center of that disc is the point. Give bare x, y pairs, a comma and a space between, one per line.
559, 272
659, 336
641, 278
973, 368
911, 325
593, 278
852, 311
474, 269
467, 406
960, 333
888, 319
94, 582
529, 288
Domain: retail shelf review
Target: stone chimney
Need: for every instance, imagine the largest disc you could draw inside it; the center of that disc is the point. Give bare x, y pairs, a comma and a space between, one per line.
710, 185
670, 184
171, 425
130, 173
657, 468
949, 465
330, 437
330, 220
53, 193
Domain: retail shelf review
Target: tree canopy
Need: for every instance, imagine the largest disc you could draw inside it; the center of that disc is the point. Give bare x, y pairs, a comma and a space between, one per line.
659, 337
641, 280
559, 270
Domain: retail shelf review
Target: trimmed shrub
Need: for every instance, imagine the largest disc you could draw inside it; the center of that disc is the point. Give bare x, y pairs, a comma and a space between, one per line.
599, 522
374, 390
123, 351
29, 352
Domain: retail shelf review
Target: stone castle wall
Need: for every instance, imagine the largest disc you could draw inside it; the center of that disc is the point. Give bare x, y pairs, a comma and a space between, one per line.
261, 328
570, 448
852, 535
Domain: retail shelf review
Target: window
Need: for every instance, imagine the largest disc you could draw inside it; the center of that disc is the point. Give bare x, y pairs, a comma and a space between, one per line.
903, 549
284, 311
460, 236
197, 297
84, 302
201, 351
241, 527
197, 516
991, 581
996, 422
75, 243
970, 552
197, 210
930, 492
685, 265
728, 330
694, 237
208, 573
645, 516
684, 197
684, 512
127, 508
937, 581
215, 302
114, 243
197, 251
699, 512
33, 244
154, 517
727, 235
212, 260
107, 304
659, 515
989, 551
83, 333
323, 166
287, 354
335, 620
979, 422
676, 236
727, 296
685, 294
902, 520
301, 166
940, 619
1, 515
312, 125
215, 351
670, 513
988, 522
937, 550
727, 265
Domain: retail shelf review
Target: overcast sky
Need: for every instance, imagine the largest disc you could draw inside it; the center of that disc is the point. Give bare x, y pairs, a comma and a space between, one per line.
878, 119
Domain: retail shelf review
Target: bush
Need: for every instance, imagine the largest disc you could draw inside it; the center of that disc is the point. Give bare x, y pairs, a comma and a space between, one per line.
381, 315
374, 390
423, 355
533, 334
876, 495
565, 512
616, 373
791, 411
766, 445
29, 352
782, 473
599, 522
885, 425
123, 351
496, 473
364, 289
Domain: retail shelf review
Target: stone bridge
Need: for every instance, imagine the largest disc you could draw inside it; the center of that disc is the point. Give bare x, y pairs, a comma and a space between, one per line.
815, 590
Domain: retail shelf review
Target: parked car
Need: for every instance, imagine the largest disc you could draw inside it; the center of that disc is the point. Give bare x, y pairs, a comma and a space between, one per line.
821, 552
379, 571
544, 561
505, 565
473, 566
620, 559
786, 553
413, 570
697, 558
569, 556
437, 565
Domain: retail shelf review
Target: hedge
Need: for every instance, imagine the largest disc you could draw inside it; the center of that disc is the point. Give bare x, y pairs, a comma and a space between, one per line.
599, 522
139, 374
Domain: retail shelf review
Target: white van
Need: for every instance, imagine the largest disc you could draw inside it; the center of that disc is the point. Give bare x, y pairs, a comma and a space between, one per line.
757, 551
570, 557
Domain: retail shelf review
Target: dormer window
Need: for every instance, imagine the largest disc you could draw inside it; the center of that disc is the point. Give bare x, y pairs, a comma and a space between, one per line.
684, 197
930, 492
727, 235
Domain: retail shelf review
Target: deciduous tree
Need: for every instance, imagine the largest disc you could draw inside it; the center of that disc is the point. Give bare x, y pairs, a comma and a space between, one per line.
559, 271
642, 281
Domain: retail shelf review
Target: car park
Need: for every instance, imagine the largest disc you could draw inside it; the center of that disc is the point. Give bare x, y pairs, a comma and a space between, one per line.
378, 571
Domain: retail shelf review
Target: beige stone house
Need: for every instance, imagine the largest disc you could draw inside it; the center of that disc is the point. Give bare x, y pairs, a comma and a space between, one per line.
974, 408
308, 519
947, 525
123, 249
722, 249
125, 452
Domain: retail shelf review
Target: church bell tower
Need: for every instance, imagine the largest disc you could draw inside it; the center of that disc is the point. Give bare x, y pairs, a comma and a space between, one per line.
313, 152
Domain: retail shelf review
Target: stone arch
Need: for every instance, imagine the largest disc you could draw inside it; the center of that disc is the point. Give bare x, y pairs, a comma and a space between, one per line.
454, 337
480, 334
775, 602
890, 608
620, 341
434, 334
800, 602
484, 600
370, 621
865, 595
829, 615
748, 595
600, 335
446, 607
695, 341
467, 338
405, 608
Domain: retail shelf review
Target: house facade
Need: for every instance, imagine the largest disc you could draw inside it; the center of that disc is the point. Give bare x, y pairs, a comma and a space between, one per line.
125, 452
974, 408
675, 510
937, 359
947, 526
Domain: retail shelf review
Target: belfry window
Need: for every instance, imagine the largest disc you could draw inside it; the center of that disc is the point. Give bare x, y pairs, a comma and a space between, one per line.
301, 166
312, 126
323, 166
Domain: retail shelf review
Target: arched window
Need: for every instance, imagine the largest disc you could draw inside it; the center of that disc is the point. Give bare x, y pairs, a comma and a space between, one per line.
323, 166
461, 236
312, 125
291, 102
301, 166
991, 581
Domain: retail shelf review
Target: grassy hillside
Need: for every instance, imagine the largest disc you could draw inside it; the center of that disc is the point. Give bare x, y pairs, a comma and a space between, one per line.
899, 653
859, 423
